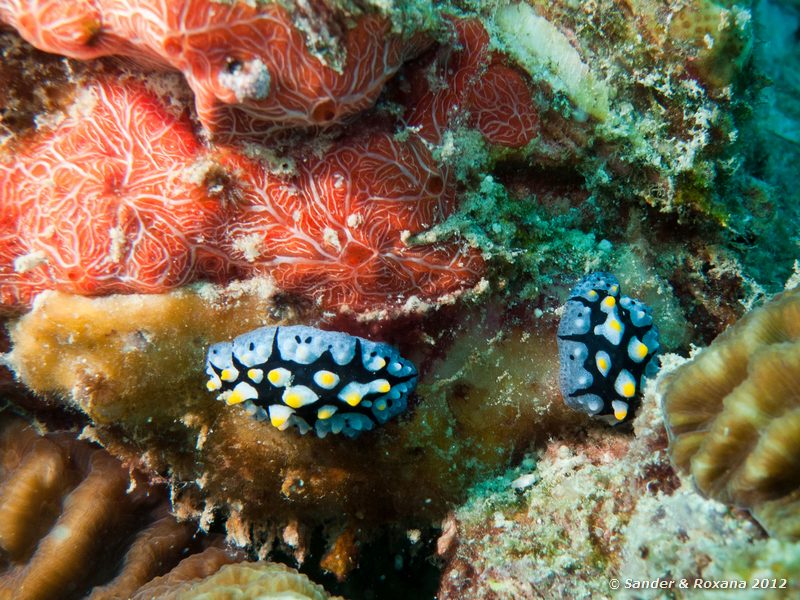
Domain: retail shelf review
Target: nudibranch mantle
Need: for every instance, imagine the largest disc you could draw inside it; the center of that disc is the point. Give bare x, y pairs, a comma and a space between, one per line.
606, 344
305, 377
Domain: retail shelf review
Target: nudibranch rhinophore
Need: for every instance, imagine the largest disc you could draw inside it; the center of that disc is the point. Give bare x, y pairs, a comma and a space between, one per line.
606, 344
300, 376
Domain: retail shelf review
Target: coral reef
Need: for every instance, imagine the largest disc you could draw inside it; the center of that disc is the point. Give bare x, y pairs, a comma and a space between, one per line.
733, 415
599, 506
249, 65
431, 175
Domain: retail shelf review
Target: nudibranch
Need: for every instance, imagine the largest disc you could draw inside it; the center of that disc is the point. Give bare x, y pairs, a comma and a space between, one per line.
300, 376
607, 344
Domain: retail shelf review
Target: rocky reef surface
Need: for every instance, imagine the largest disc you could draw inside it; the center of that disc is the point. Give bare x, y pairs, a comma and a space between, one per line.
433, 175
602, 511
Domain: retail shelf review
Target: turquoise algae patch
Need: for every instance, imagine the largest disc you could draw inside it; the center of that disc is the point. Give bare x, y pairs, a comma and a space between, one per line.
308, 378
607, 344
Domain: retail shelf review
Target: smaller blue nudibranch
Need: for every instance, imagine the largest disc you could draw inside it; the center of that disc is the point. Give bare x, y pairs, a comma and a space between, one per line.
607, 344
300, 376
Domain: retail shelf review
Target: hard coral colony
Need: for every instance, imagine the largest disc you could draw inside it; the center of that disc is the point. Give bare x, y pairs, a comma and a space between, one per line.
733, 415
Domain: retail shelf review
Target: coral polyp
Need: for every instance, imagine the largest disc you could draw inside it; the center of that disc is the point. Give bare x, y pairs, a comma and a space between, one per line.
304, 377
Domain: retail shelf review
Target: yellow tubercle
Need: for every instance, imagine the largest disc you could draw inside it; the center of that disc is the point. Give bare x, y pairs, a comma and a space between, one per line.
353, 398
327, 378
277, 421
620, 414
325, 413
628, 389
228, 374
615, 325
384, 387
293, 400
609, 302
234, 398
602, 364
642, 350
380, 362
213, 385
279, 415
279, 377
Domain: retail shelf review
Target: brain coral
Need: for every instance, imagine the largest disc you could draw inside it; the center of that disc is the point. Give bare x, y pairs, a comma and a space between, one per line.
73, 520
121, 197
249, 64
262, 580
733, 415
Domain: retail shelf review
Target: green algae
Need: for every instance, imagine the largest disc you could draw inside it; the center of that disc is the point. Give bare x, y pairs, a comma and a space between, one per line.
524, 240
